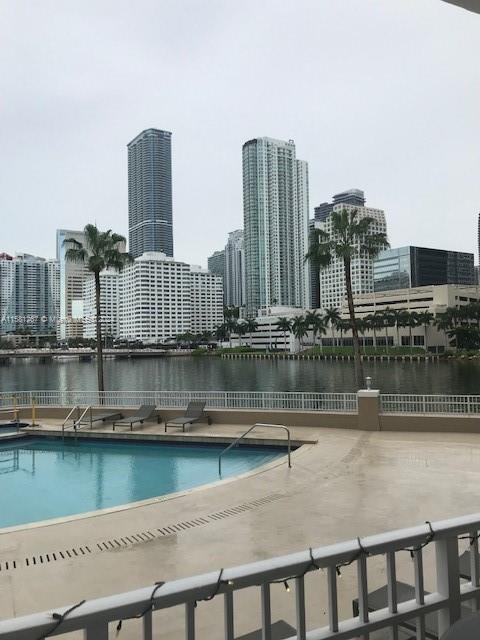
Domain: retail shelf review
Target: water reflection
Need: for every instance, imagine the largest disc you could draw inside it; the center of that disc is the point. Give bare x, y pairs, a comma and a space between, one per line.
210, 373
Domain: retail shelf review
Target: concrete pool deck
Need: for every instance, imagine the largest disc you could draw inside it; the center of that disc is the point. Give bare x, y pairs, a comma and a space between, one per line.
347, 483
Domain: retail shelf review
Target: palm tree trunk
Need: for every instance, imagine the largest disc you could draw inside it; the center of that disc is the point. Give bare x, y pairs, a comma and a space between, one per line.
398, 335
386, 337
356, 345
101, 384
426, 343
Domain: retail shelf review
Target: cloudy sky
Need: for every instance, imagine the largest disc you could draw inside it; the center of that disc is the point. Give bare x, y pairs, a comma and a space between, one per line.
382, 95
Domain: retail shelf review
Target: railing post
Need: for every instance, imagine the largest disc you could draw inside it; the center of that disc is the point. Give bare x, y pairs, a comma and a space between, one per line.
98, 631
266, 612
448, 582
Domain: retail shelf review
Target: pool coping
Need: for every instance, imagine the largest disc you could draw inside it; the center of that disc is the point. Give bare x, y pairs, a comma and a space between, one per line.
300, 448
167, 437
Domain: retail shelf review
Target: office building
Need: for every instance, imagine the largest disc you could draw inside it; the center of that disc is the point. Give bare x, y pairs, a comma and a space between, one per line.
150, 225
419, 266
354, 197
234, 279
435, 299
110, 291
275, 206
216, 263
29, 288
314, 301
72, 276
155, 303
206, 300
332, 277
323, 211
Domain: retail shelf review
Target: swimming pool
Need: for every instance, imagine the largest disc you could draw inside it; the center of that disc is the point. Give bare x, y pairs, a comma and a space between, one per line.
42, 478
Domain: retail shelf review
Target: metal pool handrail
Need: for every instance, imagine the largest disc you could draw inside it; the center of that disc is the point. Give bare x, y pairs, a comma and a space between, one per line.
257, 424
78, 423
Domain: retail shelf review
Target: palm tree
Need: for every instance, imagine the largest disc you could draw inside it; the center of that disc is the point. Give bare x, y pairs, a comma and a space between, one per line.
241, 329
99, 251
231, 325
331, 317
425, 318
310, 318
362, 328
371, 324
251, 325
386, 320
443, 322
400, 319
221, 332
231, 313
299, 329
319, 327
284, 325
350, 239
412, 321
343, 325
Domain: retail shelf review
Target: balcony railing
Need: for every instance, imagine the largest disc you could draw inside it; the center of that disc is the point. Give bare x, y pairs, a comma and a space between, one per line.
430, 404
263, 400
452, 588
341, 402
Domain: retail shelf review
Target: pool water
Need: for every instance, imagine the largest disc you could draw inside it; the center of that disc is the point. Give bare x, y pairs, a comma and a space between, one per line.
43, 478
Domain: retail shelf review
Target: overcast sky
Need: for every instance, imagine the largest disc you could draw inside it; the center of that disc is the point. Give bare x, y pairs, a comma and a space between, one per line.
382, 95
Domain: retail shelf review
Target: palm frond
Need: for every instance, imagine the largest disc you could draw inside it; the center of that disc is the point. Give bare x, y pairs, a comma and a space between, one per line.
76, 254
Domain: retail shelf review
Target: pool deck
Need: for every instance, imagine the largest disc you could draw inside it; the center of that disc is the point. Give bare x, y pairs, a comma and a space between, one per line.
342, 484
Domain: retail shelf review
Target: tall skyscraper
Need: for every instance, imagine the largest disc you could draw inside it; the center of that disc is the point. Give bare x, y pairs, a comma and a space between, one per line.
28, 294
150, 193
275, 209
314, 300
72, 276
234, 279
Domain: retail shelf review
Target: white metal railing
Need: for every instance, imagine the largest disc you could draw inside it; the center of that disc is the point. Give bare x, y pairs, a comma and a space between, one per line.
341, 402
450, 590
430, 404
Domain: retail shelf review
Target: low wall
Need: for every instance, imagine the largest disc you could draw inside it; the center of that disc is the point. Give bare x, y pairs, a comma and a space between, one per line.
227, 416
433, 423
368, 418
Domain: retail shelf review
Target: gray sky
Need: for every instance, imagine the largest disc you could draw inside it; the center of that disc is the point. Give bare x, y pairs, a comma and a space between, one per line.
382, 95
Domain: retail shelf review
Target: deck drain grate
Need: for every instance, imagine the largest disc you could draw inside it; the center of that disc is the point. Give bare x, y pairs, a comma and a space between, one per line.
137, 538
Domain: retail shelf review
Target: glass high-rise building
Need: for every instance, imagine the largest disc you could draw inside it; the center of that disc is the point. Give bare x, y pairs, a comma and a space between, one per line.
408, 267
275, 211
150, 193
234, 279
29, 294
